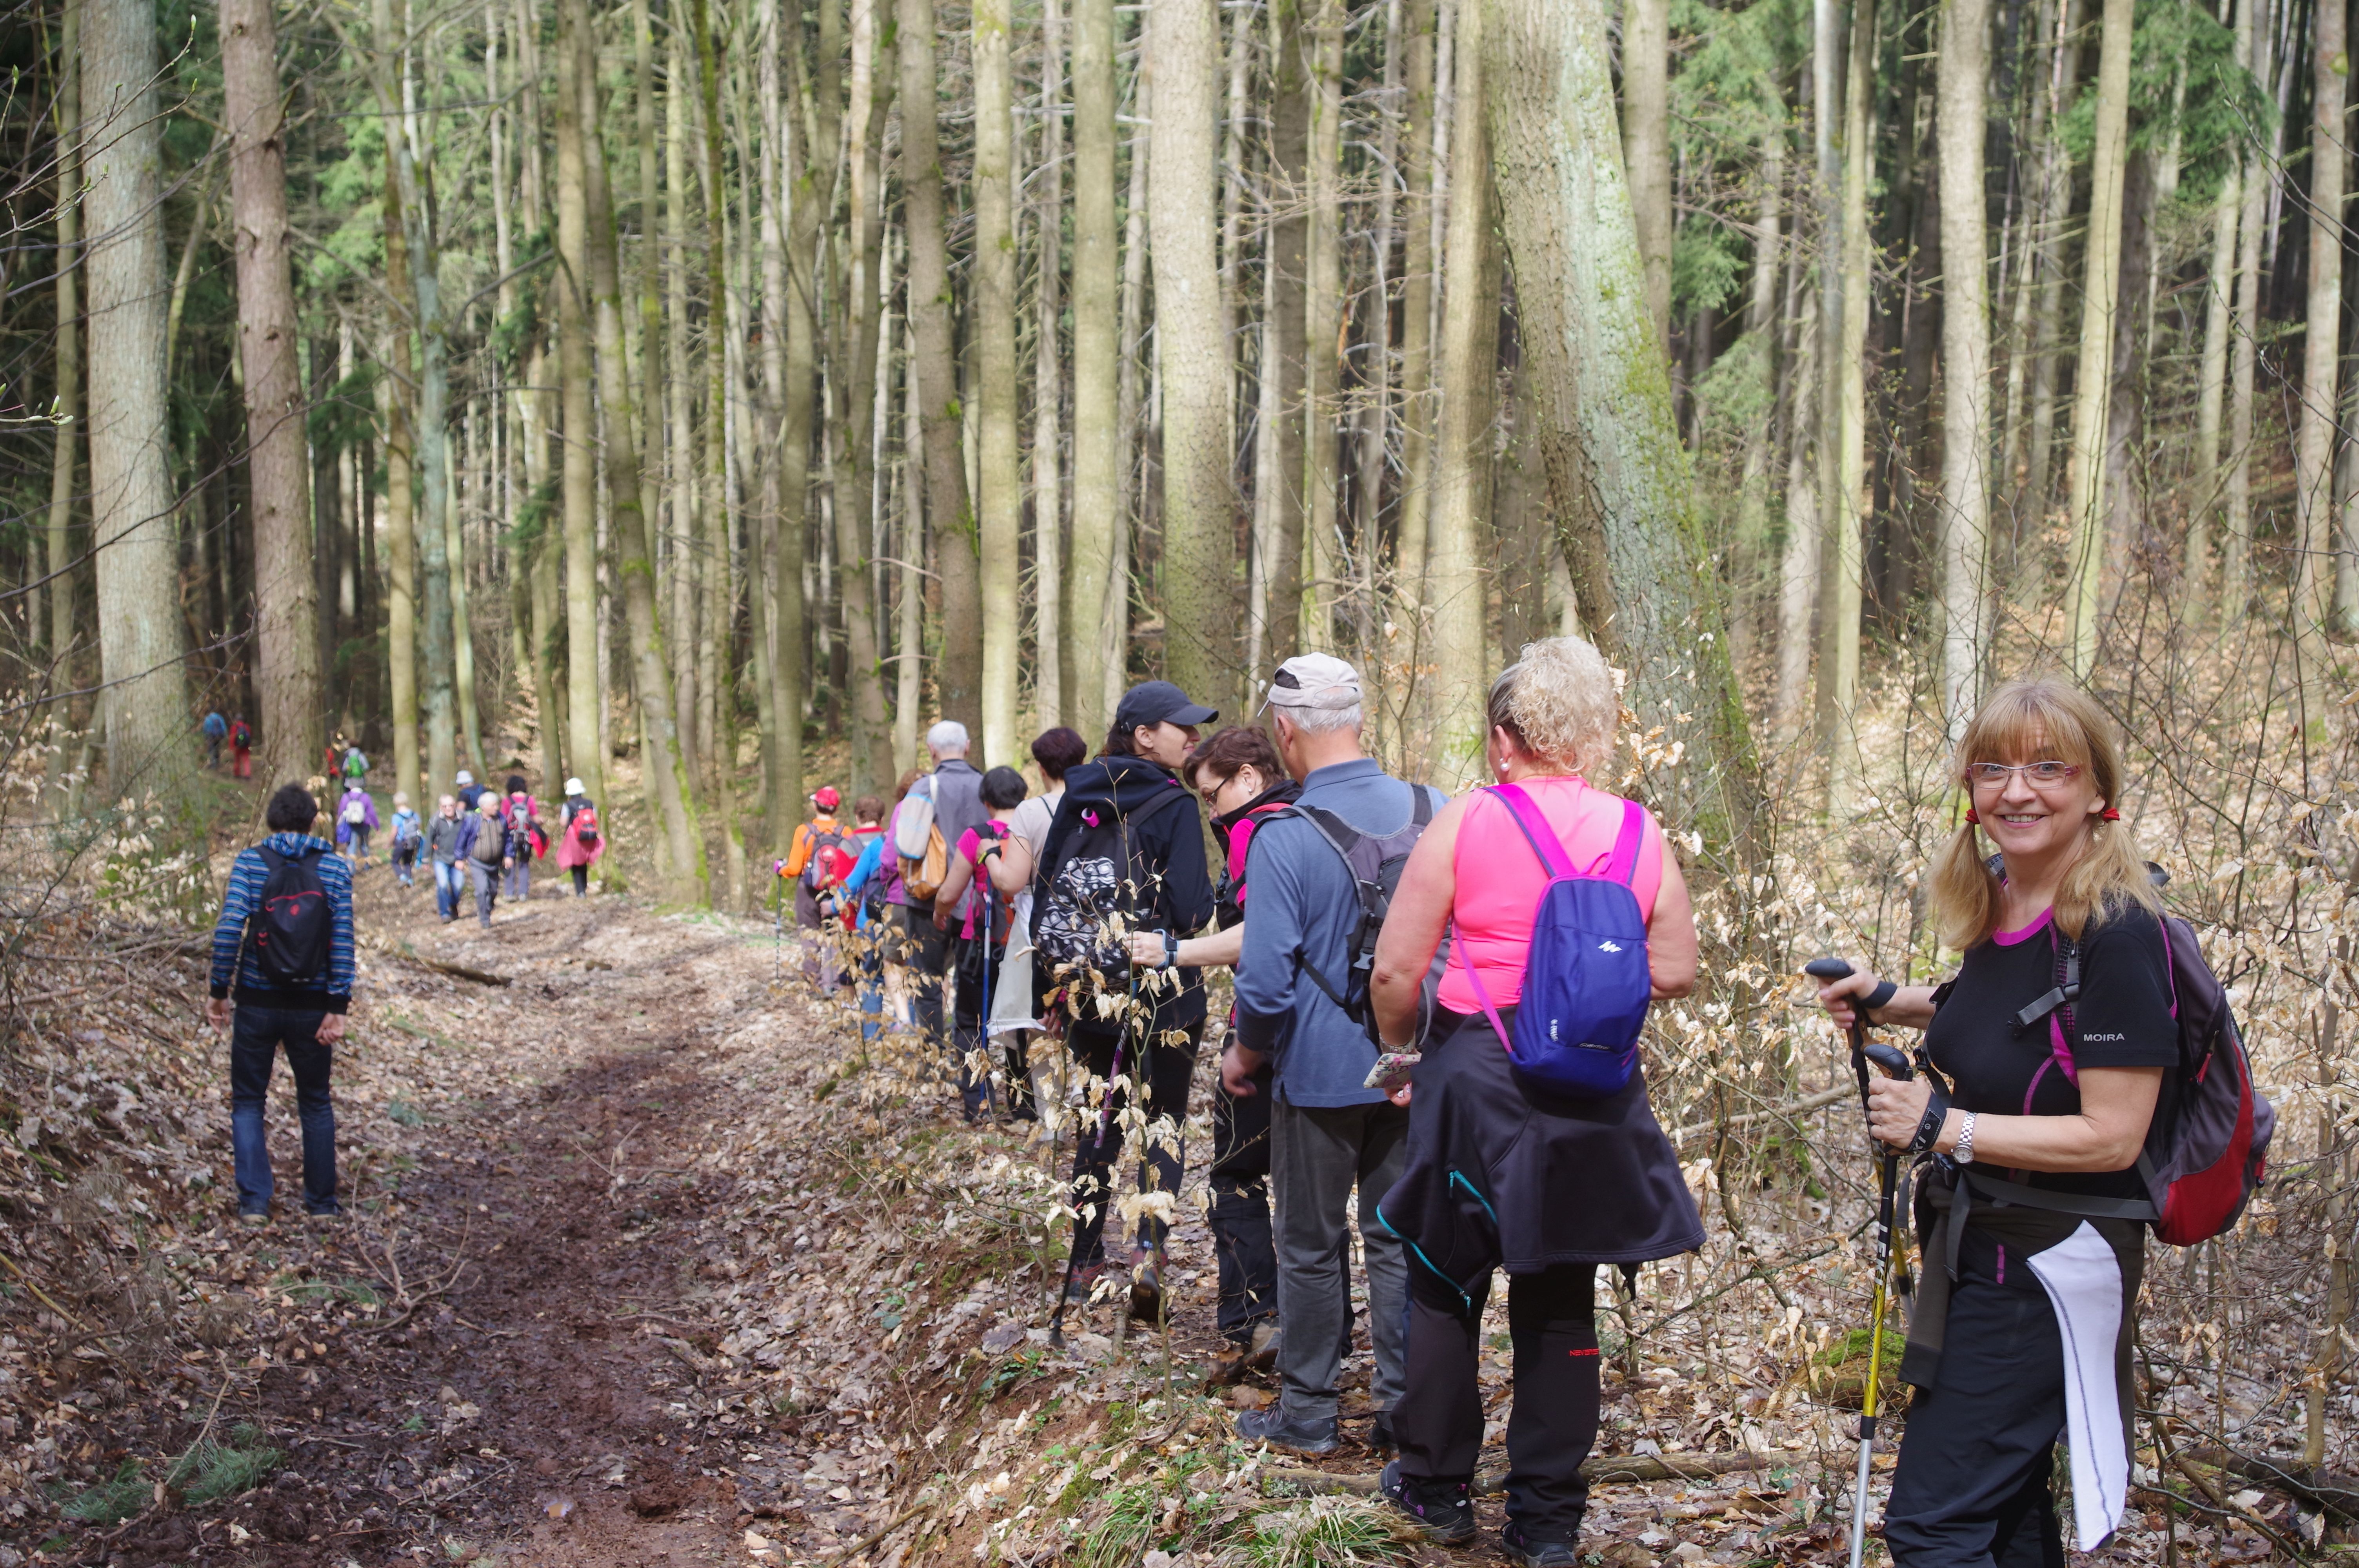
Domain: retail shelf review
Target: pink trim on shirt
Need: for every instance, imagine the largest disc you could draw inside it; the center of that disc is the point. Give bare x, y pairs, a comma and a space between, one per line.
1500, 880
2009, 939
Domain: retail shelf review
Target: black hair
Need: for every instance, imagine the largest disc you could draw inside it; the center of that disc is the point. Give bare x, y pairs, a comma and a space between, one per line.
291, 809
1059, 751
517, 785
1004, 787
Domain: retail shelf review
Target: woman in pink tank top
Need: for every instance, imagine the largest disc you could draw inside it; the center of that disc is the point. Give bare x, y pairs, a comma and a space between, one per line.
1503, 1171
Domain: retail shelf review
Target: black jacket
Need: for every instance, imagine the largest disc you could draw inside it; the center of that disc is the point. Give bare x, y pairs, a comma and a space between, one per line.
1168, 841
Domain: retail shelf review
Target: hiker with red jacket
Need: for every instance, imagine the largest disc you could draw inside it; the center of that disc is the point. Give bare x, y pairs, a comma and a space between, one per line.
282, 978
813, 859
581, 840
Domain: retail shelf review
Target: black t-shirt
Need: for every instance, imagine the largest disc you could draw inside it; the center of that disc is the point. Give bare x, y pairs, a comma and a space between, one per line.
2122, 1020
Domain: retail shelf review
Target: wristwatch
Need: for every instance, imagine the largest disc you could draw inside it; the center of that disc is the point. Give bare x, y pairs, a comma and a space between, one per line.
1170, 949
1964, 1152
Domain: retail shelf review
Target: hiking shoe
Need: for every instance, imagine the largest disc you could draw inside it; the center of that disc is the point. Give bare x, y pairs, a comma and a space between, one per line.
253, 1219
1312, 1434
1380, 1436
1084, 1280
1443, 1509
1147, 1288
1256, 1353
1523, 1549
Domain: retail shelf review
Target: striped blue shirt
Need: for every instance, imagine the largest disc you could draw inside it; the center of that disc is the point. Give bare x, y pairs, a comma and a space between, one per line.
331, 991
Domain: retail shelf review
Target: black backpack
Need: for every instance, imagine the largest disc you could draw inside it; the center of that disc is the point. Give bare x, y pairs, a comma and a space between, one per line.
1092, 897
1376, 864
291, 930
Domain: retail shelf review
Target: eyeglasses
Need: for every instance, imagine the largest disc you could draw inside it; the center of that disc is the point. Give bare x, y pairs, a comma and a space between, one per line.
2041, 776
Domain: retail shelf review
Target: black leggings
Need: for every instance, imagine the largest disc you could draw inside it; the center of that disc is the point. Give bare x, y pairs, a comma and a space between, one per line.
1169, 1068
1551, 1317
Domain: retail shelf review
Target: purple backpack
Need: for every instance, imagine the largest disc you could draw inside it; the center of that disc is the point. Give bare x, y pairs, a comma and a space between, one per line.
1585, 981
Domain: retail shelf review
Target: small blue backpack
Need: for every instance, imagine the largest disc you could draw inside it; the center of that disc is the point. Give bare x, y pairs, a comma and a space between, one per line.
1586, 979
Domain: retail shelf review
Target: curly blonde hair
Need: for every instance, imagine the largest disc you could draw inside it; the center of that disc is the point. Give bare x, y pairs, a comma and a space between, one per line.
1559, 702
2025, 721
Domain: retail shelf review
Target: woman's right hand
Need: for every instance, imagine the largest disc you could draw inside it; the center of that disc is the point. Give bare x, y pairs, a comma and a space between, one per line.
1840, 998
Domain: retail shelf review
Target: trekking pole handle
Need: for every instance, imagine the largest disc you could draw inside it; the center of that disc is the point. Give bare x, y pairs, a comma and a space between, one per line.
1892, 1059
1828, 969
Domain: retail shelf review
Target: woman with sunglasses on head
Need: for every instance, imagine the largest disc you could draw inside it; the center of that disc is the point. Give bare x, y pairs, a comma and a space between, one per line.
2023, 1320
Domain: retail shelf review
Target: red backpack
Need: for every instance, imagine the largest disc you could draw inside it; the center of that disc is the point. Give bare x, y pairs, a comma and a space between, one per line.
2202, 1168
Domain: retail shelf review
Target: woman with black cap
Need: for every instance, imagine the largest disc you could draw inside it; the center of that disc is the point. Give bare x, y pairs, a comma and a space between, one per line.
1127, 851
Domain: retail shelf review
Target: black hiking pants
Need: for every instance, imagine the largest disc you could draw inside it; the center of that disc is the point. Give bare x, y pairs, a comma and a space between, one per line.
1551, 1318
1240, 1214
1973, 1489
1167, 1071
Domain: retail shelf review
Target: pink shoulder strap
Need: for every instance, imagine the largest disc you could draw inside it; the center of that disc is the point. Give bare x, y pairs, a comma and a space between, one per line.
1620, 866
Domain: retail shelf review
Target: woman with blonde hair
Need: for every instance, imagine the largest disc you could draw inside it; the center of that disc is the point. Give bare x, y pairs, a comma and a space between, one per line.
1504, 1169
2055, 1037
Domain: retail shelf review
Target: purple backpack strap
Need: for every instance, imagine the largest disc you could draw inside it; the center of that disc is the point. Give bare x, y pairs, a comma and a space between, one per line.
1535, 827
1481, 992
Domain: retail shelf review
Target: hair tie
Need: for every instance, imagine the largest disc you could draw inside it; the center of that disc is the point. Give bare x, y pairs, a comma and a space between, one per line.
2109, 814
1971, 820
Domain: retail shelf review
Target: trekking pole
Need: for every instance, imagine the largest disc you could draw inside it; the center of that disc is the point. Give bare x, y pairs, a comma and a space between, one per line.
1894, 1064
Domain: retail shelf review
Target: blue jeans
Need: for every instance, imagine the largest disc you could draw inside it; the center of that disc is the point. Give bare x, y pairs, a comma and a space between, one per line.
256, 1033
449, 886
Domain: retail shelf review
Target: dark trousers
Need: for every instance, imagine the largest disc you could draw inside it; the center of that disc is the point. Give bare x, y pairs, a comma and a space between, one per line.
1169, 1068
1240, 1214
1551, 1318
924, 950
1973, 1487
581, 880
487, 888
1318, 1156
257, 1034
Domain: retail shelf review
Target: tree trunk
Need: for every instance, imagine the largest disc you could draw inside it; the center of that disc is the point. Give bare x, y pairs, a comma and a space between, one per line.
1284, 364
719, 595
1456, 565
959, 675
1646, 147
2244, 358
1114, 624
680, 849
909, 671
2314, 432
1097, 442
1049, 652
1761, 324
1000, 512
1323, 319
2220, 279
791, 208
58, 537
1418, 263
686, 526
139, 633
570, 282
2092, 381
1798, 573
856, 382
287, 680
430, 441
401, 523
1199, 619
1966, 359
1843, 494
1617, 476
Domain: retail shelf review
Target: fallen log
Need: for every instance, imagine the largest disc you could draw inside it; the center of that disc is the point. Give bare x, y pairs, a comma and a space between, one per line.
1607, 1468
2319, 1488
409, 955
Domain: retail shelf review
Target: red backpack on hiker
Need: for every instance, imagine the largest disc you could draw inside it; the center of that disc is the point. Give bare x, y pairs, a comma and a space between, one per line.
2201, 1169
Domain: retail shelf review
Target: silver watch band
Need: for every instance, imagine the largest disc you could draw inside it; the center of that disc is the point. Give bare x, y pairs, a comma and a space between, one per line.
1964, 1155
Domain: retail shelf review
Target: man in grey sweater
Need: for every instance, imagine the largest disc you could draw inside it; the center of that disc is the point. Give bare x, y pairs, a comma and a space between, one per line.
956, 791
1329, 1132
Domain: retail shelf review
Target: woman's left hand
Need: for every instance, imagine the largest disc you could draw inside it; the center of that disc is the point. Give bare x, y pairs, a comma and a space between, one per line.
1895, 1107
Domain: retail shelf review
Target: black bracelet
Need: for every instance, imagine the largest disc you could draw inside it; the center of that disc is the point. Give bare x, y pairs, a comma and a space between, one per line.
1928, 1126
1876, 1000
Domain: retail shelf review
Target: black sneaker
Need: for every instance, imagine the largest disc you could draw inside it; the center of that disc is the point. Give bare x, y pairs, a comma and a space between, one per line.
1313, 1436
1443, 1509
1531, 1553
1380, 1435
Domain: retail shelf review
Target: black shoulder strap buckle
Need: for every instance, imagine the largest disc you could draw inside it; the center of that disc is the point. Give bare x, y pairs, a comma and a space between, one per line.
2065, 993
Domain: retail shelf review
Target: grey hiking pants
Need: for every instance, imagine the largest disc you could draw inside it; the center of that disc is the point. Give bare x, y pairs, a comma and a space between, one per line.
1318, 1154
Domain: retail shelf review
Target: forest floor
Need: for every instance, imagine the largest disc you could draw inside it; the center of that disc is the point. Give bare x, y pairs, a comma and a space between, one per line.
650, 1261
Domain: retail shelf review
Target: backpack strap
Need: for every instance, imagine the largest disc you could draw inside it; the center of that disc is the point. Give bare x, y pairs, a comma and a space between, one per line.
1537, 831
1624, 863
1481, 992
2084, 1204
2066, 991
